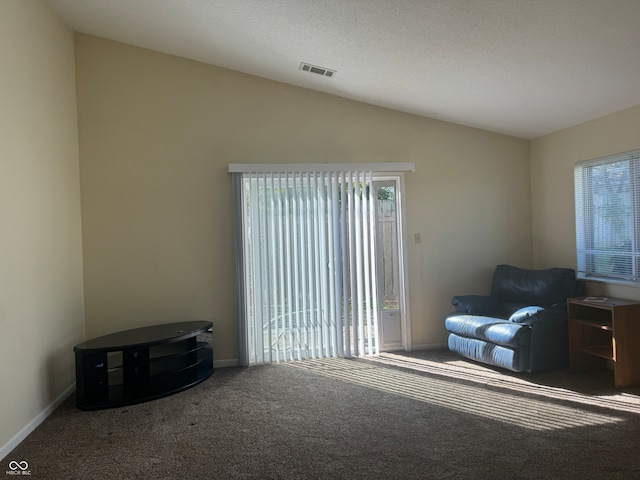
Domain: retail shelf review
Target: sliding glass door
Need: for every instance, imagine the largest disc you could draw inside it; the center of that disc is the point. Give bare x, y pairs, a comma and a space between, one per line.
309, 264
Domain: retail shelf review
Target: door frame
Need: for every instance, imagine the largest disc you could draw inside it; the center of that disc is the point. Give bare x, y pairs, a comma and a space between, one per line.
403, 274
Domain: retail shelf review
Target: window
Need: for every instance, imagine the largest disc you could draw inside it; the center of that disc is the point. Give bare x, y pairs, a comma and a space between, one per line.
607, 192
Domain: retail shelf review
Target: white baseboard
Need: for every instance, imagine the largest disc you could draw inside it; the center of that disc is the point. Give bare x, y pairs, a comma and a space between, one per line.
227, 362
429, 346
8, 447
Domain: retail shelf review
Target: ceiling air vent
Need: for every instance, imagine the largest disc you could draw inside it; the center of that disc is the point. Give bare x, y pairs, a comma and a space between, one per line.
325, 72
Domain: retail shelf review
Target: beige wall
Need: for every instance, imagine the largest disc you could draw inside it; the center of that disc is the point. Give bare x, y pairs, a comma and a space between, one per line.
41, 304
157, 133
552, 160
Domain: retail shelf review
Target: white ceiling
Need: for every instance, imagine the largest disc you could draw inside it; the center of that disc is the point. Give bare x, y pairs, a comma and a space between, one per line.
520, 67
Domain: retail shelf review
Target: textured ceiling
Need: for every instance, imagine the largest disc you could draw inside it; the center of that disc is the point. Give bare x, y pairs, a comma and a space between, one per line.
521, 67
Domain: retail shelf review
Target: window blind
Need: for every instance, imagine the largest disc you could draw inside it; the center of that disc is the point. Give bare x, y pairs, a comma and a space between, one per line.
607, 207
306, 268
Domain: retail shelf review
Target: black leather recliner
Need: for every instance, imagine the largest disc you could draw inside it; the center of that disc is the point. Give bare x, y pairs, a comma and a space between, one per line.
521, 325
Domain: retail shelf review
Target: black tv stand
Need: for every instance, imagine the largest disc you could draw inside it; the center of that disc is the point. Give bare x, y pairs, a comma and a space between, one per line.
142, 364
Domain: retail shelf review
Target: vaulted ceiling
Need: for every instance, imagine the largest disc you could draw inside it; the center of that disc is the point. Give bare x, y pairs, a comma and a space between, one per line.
520, 67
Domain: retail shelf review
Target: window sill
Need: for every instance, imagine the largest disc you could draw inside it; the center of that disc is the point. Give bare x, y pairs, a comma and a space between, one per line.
610, 281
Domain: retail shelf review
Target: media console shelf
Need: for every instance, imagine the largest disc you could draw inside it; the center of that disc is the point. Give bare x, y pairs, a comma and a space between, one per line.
605, 334
142, 364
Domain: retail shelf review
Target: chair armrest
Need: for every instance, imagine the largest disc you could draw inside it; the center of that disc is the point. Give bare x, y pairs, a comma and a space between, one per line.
550, 319
549, 347
476, 305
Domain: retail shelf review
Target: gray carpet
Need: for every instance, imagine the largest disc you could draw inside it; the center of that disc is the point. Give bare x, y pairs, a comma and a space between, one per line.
421, 416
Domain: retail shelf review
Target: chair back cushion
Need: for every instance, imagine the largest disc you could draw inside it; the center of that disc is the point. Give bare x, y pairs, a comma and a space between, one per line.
533, 287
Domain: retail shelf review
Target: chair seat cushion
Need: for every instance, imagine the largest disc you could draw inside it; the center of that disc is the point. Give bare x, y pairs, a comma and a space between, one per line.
493, 330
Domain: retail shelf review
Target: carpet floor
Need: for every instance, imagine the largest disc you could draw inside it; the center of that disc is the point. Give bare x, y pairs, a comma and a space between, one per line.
425, 415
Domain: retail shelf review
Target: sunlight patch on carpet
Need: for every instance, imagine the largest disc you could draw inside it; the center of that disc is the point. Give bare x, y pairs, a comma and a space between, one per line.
478, 374
504, 407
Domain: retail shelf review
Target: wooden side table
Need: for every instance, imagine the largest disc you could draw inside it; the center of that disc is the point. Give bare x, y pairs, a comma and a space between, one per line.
605, 333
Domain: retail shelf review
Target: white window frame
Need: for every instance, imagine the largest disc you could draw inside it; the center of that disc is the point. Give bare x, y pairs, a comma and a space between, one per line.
588, 254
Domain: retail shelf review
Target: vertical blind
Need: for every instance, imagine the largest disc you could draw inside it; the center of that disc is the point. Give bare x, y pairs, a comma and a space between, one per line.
307, 269
607, 202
